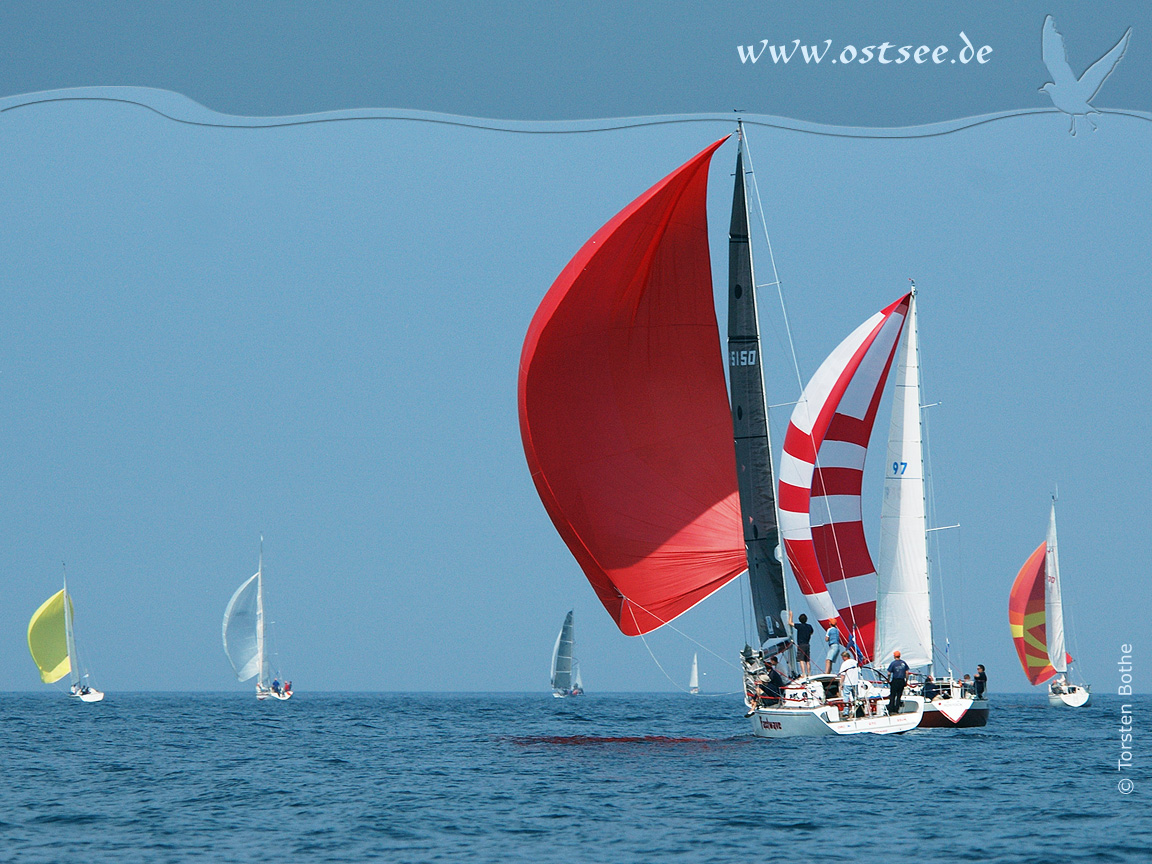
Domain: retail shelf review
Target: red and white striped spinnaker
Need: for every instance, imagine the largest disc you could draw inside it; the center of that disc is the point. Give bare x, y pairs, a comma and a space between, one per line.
820, 517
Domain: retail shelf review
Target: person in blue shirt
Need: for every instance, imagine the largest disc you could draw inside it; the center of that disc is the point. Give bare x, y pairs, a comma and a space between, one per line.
897, 678
803, 632
832, 637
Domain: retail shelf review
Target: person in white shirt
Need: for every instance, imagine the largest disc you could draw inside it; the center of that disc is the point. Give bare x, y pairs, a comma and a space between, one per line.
849, 677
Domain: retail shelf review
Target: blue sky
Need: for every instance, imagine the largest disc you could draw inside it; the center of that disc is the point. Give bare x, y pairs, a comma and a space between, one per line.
312, 332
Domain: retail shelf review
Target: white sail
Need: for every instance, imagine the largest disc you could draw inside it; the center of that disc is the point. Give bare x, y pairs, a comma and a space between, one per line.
903, 609
243, 630
70, 638
1053, 610
562, 656
694, 677
577, 681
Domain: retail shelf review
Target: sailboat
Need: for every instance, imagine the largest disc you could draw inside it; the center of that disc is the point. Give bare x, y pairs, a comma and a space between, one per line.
52, 642
879, 610
243, 633
1036, 618
565, 669
630, 436
694, 677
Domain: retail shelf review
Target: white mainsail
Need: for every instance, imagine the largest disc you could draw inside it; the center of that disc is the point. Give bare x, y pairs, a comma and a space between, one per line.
903, 608
70, 639
562, 656
243, 630
1053, 609
694, 677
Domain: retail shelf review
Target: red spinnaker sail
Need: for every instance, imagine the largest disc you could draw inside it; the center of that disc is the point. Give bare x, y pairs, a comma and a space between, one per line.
1026, 618
624, 411
820, 515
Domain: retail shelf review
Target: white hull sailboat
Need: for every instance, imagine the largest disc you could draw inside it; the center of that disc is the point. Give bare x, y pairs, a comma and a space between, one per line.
630, 429
1036, 618
52, 643
565, 676
807, 710
694, 677
885, 609
243, 634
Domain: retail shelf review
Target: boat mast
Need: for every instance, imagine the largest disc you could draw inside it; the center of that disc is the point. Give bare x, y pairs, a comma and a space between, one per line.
750, 424
69, 636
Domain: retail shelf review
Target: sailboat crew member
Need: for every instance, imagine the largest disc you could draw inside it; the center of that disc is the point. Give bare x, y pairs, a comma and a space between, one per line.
930, 689
832, 637
849, 677
775, 686
803, 633
981, 681
898, 677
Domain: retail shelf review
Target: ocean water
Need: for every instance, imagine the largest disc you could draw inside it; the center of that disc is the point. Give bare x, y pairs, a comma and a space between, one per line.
508, 778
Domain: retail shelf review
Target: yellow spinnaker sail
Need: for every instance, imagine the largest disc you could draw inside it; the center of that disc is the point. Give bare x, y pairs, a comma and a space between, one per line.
47, 640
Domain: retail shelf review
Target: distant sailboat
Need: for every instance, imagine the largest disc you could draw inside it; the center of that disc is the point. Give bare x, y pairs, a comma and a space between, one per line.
52, 642
565, 669
1036, 618
243, 632
694, 677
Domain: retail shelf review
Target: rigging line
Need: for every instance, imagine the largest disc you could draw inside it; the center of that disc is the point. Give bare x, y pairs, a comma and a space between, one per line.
650, 654
772, 261
668, 624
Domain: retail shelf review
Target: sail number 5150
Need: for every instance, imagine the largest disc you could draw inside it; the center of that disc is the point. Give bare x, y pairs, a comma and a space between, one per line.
743, 358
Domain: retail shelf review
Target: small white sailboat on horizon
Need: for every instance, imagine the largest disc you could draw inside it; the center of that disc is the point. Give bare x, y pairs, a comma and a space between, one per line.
694, 677
52, 643
244, 639
565, 676
1036, 619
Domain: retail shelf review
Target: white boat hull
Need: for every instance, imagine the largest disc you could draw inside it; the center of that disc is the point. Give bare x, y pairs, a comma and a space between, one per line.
263, 694
90, 696
1073, 697
776, 722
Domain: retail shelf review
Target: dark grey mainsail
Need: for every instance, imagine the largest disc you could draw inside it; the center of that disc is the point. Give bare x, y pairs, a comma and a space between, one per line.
562, 656
750, 424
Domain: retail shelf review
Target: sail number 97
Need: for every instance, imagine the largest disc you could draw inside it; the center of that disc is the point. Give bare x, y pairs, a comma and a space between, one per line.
743, 358
899, 467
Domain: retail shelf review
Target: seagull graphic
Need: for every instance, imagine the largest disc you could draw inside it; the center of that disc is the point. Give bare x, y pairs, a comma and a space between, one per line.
1070, 94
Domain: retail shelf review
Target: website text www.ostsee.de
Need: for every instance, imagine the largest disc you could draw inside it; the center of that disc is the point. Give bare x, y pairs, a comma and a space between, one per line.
883, 54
